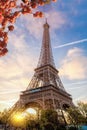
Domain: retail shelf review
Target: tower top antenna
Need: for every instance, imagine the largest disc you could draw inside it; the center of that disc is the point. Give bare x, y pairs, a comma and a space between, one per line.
46, 20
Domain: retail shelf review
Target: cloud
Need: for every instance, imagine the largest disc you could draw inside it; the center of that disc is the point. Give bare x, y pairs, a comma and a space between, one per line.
56, 19
71, 43
82, 98
16, 69
34, 25
77, 83
7, 104
76, 88
19, 61
74, 65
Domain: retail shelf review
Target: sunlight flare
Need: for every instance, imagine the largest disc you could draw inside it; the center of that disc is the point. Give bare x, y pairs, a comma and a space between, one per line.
31, 111
18, 119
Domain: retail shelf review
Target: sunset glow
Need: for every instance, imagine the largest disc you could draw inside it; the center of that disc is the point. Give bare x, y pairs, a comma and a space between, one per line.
18, 119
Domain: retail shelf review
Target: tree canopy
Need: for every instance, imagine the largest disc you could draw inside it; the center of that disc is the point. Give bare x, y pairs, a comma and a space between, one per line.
78, 115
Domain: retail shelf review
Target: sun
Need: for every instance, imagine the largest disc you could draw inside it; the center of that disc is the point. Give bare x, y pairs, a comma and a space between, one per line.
18, 119
31, 111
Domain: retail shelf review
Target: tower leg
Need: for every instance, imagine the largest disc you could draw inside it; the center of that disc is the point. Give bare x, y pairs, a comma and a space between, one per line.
43, 100
63, 115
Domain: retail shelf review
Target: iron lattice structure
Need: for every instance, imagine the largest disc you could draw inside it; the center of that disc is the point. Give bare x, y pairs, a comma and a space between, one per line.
46, 73
45, 89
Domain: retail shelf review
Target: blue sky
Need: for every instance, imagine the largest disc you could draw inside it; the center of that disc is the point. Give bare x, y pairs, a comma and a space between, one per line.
68, 27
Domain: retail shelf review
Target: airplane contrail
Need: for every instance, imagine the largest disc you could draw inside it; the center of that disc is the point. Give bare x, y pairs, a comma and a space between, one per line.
71, 43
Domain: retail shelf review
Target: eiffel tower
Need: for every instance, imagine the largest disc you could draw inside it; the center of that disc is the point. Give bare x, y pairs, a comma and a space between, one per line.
45, 89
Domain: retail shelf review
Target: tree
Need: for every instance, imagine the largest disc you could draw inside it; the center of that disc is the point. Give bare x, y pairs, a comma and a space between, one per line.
83, 109
4, 117
10, 10
49, 119
78, 115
